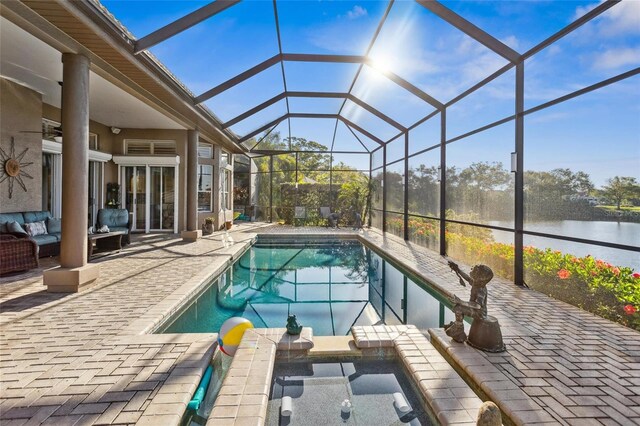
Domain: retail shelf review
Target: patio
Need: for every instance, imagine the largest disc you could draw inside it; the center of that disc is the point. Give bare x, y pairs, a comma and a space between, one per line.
87, 362
492, 133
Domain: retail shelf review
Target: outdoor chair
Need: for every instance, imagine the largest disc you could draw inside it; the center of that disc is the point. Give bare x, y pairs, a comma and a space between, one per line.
116, 220
324, 213
17, 254
299, 213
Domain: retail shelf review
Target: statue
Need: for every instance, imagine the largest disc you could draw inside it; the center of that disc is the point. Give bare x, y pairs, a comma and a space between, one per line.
293, 327
333, 220
485, 333
455, 329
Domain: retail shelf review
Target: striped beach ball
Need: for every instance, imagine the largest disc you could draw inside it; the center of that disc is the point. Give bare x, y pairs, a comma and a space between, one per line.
231, 333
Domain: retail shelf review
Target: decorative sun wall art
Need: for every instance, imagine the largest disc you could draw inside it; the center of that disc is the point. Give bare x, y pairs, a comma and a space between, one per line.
12, 167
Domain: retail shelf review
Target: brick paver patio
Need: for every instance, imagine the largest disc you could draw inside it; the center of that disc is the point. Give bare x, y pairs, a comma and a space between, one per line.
77, 359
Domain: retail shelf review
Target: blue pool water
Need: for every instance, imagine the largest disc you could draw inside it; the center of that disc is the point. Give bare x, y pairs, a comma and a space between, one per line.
328, 286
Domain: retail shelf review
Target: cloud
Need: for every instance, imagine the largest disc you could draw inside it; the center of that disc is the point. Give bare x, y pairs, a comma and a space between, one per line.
617, 58
621, 19
356, 12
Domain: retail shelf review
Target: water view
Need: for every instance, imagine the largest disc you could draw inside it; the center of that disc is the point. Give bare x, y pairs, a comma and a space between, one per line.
619, 232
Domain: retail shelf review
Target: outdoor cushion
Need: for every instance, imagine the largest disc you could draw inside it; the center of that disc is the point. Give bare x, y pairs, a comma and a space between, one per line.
30, 217
36, 228
44, 239
54, 226
118, 228
12, 217
15, 228
113, 218
3, 227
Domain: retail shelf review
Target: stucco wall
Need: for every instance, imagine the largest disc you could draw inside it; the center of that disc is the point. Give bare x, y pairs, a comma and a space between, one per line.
21, 112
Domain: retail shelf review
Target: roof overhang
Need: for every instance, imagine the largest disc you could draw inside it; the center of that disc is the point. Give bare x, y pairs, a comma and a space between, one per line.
83, 27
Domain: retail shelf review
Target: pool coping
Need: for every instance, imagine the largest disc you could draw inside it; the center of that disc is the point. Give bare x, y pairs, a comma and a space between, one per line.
181, 387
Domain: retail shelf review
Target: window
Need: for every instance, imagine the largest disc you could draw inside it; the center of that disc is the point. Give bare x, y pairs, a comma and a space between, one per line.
93, 141
225, 159
205, 182
149, 147
225, 189
205, 150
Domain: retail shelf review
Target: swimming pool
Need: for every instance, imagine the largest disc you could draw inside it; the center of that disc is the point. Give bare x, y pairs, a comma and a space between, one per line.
329, 286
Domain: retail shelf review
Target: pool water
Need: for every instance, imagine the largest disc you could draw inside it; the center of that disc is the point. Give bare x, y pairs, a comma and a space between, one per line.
317, 390
328, 286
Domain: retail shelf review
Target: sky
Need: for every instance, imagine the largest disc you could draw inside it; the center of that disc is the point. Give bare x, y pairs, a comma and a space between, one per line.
598, 133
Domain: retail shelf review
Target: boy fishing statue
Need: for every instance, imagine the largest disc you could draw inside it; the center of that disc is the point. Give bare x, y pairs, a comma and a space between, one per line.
485, 331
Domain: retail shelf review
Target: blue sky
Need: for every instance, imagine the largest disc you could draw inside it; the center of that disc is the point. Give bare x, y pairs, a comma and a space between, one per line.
598, 133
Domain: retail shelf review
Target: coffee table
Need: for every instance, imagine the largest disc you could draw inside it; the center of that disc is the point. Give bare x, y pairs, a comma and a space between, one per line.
105, 241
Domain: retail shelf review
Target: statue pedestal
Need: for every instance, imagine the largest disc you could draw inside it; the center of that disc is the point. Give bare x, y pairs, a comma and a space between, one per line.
485, 335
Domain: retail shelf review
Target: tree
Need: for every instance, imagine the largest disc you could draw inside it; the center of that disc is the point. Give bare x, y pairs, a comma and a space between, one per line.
621, 188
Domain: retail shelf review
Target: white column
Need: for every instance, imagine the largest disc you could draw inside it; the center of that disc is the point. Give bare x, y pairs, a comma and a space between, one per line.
193, 232
74, 273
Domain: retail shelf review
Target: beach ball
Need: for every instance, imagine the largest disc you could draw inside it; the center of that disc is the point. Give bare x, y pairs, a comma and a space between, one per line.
231, 333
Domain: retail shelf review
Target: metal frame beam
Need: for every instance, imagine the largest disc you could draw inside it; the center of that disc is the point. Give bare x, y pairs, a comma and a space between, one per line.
471, 30
238, 79
336, 95
263, 128
182, 24
304, 57
311, 115
254, 110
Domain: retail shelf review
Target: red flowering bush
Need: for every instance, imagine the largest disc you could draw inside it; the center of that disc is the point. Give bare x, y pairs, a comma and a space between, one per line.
612, 292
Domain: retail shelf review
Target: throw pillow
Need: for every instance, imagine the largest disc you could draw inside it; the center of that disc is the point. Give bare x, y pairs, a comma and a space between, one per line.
54, 225
36, 228
15, 228
3, 227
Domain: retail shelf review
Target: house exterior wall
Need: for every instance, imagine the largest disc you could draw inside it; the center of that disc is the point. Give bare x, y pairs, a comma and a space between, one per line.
21, 118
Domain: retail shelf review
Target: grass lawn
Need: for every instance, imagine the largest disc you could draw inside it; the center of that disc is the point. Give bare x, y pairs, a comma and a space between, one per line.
627, 209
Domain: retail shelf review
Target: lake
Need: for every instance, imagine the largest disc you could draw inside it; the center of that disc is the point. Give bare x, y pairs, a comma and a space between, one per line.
616, 232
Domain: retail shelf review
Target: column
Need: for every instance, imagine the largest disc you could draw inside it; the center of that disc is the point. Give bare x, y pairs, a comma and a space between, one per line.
192, 232
74, 273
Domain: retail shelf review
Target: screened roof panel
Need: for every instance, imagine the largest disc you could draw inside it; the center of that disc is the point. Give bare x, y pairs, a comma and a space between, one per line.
319, 76
386, 96
276, 139
141, 20
431, 54
369, 143
520, 24
368, 121
261, 118
318, 130
315, 105
617, 50
347, 141
248, 94
221, 47
340, 27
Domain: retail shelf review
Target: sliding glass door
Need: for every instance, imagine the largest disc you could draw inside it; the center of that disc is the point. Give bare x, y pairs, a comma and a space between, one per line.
162, 198
149, 193
135, 193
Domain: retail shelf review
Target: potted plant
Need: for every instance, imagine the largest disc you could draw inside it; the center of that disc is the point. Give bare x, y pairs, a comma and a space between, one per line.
207, 227
113, 195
